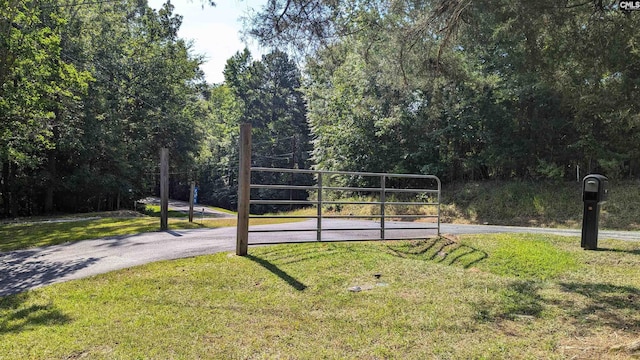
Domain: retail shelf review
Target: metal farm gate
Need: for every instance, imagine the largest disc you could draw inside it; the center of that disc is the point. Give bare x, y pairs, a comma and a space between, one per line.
391, 191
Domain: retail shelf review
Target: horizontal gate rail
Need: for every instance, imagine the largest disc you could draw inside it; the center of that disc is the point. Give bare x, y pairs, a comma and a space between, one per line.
321, 193
283, 187
342, 229
330, 172
283, 202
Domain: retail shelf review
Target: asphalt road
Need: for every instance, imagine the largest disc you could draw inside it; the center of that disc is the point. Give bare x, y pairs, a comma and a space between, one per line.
26, 269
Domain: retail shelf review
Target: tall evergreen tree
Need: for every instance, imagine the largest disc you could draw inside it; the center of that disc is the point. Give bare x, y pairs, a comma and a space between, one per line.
266, 94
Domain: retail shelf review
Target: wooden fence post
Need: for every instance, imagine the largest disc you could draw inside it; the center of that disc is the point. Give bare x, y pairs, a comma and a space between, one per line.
191, 199
164, 189
244, 191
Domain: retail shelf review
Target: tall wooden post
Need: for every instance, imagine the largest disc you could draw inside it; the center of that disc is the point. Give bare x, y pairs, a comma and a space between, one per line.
383, 199
164, 189
244, 183
191, 199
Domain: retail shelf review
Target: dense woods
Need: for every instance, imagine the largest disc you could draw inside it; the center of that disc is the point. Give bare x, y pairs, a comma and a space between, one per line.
90, 92
463, 89
467, 89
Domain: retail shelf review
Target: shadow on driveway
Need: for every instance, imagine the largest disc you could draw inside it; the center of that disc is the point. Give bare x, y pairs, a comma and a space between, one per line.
22, 270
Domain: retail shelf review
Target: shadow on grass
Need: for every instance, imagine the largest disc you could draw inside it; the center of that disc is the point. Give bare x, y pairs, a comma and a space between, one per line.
16, 317
604, 304
440, 250
278, 272
518, 299
588, 304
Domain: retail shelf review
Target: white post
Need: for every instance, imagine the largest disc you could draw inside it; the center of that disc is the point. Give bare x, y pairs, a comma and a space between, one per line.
578, 173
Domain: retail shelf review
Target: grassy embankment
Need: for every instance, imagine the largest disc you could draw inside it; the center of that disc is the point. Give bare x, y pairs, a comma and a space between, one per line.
492, 297
520, 203
539, 204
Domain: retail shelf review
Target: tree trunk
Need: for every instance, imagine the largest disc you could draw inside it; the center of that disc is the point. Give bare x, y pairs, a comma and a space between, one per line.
51, 167
13, 168
6, 198
52, 160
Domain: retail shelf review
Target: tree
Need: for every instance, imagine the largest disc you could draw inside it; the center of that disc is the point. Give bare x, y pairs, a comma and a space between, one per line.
145, 97
35, 82
218, 157
466, 89
266, 94
90, 92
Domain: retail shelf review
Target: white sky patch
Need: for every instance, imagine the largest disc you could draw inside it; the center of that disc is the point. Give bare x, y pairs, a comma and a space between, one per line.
215, 31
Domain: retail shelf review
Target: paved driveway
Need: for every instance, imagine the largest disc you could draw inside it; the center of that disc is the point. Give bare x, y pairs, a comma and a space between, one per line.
26, 269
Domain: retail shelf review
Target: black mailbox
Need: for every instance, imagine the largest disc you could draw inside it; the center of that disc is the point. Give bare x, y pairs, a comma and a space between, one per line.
595, 188
594, 193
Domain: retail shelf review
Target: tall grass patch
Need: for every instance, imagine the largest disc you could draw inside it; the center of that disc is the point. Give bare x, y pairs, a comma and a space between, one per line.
514, 203
538, 203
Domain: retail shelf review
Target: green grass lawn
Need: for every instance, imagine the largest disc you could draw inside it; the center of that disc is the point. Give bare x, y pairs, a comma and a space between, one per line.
26, 235
154, 210
512, 296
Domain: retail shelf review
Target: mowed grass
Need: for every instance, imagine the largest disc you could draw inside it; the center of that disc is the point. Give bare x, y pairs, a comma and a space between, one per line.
27, 235
514, 296
154, 210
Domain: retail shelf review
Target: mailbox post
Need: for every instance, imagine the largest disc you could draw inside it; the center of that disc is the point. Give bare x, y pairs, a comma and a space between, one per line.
594, 193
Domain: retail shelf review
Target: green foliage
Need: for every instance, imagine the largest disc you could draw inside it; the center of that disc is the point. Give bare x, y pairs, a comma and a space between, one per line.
537, 203
464, 90
89, 94
264, 93
467, 90
29, 48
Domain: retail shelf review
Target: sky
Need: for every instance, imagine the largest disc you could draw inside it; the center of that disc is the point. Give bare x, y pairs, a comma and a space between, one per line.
215, 31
